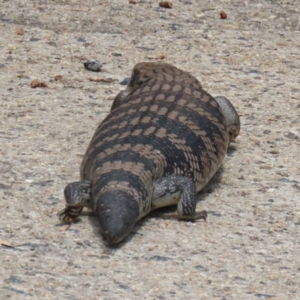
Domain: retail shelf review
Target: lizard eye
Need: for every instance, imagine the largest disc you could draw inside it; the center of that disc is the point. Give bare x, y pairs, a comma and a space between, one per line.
134, 74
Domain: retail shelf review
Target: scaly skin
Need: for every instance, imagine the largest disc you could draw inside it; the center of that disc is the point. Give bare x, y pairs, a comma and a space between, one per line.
162, 142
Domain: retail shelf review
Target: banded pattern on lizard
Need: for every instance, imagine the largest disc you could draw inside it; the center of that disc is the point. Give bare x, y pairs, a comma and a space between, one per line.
163, 140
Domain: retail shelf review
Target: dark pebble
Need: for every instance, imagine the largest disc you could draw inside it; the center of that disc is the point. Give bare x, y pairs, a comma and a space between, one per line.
92, 65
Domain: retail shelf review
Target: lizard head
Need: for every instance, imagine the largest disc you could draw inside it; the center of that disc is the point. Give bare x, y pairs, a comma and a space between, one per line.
145, 71
117, 213
141, 73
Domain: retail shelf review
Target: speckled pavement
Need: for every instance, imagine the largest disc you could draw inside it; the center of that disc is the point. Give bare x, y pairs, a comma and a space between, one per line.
249, 248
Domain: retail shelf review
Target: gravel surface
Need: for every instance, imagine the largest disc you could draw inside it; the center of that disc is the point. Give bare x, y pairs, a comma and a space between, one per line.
249, 248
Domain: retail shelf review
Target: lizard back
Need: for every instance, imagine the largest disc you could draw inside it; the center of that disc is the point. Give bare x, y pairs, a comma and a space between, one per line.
165, 125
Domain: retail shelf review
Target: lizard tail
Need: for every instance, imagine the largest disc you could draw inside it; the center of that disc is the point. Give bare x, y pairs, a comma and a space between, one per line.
117, 212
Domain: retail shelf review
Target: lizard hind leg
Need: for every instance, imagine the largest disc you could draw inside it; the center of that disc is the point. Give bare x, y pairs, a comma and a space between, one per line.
77, 196
181, 191
78, 192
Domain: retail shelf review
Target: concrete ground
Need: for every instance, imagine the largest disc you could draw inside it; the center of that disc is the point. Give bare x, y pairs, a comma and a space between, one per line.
249, 248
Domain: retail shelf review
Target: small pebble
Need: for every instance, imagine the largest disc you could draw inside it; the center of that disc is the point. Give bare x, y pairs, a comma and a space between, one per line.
125, 81
20, 31
35, 83
223, 15
92, 65
166, 4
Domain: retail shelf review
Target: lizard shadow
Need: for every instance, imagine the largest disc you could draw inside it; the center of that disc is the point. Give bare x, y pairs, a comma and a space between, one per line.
164, 212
